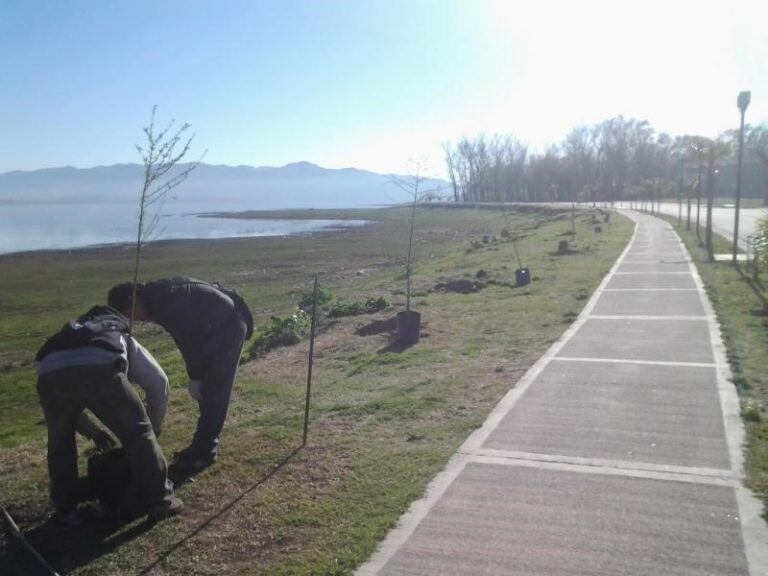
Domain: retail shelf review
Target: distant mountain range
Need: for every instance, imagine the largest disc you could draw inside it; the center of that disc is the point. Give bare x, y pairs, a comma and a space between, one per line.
296, 185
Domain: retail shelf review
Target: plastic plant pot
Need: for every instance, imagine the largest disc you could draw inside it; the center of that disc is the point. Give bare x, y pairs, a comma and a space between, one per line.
408, 327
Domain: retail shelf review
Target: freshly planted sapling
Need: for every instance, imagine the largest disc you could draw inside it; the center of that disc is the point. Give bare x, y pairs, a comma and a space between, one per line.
409, 321
161, 153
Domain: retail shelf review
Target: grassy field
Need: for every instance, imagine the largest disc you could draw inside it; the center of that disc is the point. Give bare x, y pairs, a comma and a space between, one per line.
741, 304
384, 420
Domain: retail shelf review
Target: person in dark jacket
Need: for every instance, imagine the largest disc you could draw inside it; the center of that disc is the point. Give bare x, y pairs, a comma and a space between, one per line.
209, 326
87, 366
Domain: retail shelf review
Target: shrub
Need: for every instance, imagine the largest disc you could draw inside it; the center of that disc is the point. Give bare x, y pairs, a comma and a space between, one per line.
761, 243
281, 331
305, 301
355, 308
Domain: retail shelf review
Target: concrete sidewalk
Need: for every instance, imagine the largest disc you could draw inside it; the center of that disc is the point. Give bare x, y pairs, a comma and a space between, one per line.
618, 453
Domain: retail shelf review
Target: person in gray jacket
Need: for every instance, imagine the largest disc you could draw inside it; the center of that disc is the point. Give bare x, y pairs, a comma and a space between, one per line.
88, 365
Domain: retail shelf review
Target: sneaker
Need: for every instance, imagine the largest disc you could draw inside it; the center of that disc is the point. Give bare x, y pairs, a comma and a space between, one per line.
166, 509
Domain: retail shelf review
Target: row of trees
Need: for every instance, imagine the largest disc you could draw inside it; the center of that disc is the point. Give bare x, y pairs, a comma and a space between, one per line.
618, 159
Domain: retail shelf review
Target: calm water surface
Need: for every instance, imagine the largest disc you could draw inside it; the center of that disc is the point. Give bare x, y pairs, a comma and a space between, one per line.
71, 225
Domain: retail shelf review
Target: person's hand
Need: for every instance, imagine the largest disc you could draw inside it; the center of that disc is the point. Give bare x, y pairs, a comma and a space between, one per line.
195, 389
103, 441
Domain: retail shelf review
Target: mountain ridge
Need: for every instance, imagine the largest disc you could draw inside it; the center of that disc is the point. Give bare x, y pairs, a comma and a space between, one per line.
295, 185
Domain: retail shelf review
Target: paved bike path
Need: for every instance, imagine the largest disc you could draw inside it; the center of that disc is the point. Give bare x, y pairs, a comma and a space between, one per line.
618, 453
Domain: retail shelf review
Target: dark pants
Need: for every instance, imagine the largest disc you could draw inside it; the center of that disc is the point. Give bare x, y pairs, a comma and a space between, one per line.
216, 389
106, 392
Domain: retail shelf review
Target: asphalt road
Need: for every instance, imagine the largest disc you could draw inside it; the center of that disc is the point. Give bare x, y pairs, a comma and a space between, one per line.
722, 219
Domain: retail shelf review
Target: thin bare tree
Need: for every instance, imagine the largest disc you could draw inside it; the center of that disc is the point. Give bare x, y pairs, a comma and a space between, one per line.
714, 151
757, 144
412, 185
162, 151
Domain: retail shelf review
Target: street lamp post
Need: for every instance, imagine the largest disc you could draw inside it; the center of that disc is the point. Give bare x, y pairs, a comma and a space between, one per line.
742, 102
680, 194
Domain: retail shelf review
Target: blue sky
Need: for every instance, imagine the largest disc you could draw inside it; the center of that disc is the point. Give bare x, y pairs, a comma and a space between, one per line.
365, 84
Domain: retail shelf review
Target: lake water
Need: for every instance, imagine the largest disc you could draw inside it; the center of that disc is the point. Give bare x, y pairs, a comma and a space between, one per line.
36, 226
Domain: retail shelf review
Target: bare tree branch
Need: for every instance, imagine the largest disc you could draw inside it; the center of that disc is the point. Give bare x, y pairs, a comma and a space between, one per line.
162, 151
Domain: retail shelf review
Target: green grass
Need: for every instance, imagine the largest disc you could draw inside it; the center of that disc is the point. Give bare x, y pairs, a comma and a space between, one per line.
384, 421
741, 304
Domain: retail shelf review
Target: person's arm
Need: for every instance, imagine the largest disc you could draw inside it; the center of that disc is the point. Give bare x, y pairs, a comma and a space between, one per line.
145, 371
88, 426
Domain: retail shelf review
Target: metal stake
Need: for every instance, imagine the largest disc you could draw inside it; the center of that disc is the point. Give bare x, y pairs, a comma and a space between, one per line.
309, 366
20, 537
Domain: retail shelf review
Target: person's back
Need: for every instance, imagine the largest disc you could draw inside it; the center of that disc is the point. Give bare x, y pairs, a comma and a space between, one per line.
209, 327
193, 313
85, 366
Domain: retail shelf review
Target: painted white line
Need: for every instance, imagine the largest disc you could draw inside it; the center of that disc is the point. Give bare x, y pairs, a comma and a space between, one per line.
753, 527
651, 290
639, 362
637, 317
715, 480
695, 471
630, 261
654, 273
650, 251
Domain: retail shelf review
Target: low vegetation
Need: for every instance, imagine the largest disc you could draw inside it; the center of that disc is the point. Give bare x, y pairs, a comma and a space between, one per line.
280, 331
370, 306
383, 422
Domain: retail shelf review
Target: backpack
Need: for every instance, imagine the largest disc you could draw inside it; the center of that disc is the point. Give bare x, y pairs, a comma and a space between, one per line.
101, 326
240, 306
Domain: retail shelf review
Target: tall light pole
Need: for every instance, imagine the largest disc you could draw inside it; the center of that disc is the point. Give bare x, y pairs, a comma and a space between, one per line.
742, 102
680, 193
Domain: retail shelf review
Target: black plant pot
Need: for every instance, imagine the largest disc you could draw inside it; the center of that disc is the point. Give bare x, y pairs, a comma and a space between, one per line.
408, 327
523, 276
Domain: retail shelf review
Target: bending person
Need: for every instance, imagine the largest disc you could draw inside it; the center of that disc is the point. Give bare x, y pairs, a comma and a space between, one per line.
209, 325
87, 365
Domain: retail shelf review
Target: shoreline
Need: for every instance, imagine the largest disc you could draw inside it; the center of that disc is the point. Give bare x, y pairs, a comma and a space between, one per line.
120, 248
362, 216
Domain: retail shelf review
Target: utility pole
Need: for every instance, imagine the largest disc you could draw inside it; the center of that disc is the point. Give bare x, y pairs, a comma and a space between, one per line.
698, 197
742, 102
680, 194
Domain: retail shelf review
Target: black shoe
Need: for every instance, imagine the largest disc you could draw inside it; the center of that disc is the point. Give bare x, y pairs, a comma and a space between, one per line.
166, 509
187, 461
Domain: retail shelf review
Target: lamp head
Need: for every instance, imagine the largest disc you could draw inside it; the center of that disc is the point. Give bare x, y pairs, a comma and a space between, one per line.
743, 100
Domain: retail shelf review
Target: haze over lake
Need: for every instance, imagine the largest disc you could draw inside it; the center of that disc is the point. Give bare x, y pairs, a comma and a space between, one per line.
70, 208
75, 225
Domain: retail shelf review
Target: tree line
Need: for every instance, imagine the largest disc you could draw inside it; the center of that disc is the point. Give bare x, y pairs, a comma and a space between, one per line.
618, 159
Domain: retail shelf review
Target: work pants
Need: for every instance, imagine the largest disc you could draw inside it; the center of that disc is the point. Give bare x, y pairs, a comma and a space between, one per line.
216, 389
106, 392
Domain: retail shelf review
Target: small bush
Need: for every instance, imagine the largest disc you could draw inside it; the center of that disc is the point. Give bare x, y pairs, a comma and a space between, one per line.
750, 411
305, 300
356, 308
761, 244
281, 331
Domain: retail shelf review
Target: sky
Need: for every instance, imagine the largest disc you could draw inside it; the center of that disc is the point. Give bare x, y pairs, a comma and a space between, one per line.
366, 84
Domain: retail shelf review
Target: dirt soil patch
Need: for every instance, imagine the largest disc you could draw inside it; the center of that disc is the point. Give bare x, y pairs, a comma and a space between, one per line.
460, 286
